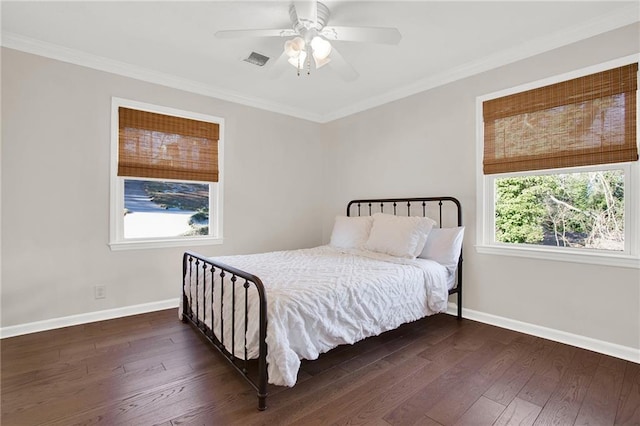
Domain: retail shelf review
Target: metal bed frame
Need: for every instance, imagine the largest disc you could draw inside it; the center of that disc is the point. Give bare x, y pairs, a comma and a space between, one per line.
202, 271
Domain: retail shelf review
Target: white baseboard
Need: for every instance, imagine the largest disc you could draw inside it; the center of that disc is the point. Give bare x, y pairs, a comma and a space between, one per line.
607, 348
34, 327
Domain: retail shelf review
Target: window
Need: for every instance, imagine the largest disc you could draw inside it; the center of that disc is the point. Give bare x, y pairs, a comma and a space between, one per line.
166, 177
559, 174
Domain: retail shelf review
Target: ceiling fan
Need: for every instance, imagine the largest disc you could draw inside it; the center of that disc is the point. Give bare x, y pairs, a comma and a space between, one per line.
310, 37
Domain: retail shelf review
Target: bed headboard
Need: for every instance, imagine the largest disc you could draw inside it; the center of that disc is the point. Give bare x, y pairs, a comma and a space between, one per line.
446, 211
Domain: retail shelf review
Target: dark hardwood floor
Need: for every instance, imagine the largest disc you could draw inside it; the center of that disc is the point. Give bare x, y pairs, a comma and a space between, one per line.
153, 369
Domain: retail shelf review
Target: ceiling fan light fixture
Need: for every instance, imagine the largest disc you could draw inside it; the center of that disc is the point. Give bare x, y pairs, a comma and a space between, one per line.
321, 48
309, 21
293, 48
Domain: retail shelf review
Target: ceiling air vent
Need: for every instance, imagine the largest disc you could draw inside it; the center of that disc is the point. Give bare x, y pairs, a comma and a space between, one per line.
257, 59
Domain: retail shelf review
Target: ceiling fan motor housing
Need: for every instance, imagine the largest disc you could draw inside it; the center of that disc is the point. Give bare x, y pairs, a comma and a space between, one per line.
302, 25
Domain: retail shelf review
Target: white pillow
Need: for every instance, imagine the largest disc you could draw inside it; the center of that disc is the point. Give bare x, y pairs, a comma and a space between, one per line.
400, 236
351, 232
443, 245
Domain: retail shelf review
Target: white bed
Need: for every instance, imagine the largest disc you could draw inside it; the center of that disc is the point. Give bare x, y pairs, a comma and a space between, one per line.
323, 297
378, 272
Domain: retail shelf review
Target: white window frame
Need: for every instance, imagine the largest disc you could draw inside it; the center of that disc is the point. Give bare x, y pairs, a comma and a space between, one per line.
485, 192
116, 228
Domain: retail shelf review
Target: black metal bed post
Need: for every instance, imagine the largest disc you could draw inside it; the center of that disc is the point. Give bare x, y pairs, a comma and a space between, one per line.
185, 300
262, 356
459, 285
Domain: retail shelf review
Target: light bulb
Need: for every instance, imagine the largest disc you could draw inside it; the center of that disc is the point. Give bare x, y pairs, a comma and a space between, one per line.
321, 48
293, 47
288, 49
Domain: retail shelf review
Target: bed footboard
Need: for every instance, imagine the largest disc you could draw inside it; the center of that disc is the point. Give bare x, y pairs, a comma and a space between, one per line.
203, 276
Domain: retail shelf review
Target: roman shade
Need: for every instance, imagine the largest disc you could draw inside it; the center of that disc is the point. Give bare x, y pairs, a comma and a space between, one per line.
585, 121
152, 145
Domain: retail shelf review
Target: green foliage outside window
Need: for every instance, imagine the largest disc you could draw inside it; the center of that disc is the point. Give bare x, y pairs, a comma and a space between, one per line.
572, 210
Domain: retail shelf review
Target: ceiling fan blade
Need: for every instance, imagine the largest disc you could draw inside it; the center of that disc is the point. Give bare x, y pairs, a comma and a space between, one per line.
342, 67
256, 33
365, 34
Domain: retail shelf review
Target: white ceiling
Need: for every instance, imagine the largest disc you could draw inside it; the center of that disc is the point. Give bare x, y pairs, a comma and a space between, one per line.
173, 43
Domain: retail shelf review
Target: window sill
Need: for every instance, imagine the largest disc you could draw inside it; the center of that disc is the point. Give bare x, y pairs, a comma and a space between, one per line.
163, 243
563, 255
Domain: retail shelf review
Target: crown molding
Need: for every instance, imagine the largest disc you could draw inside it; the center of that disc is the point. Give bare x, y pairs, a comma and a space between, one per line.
614, 20
76, 57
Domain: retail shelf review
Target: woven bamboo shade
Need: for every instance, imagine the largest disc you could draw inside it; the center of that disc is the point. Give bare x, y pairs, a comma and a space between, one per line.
585, 121
155, 145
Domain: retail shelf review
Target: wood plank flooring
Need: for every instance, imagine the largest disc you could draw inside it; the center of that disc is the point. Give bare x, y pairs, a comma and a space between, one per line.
153, 369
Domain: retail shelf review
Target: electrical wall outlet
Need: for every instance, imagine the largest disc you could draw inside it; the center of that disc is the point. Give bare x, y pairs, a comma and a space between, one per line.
100, 291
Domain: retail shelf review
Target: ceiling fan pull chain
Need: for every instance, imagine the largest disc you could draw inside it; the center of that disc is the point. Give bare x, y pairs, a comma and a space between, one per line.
308, 64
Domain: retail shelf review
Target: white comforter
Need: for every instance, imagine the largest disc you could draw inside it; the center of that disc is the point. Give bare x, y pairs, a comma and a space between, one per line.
323, 297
